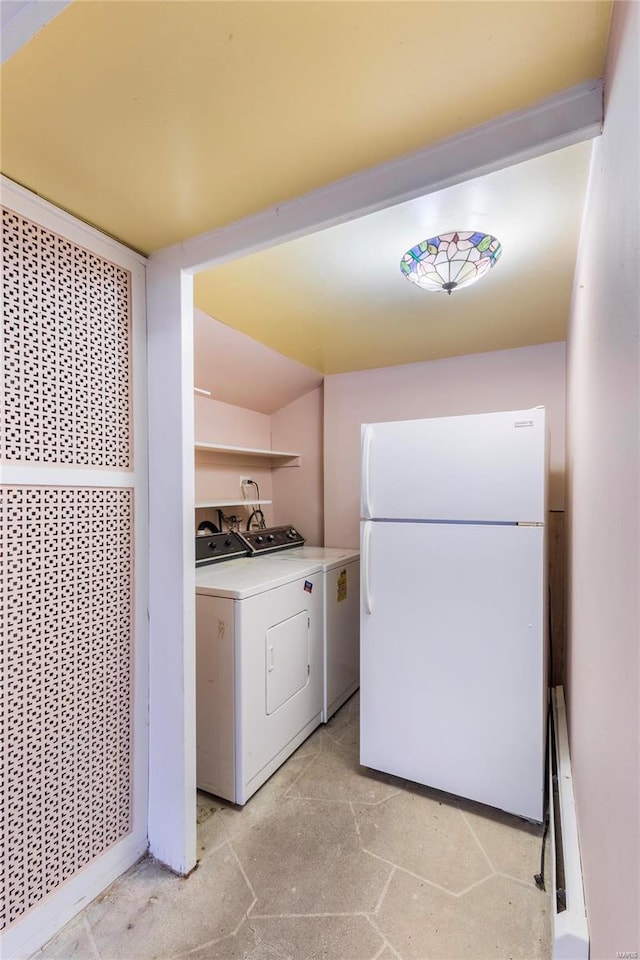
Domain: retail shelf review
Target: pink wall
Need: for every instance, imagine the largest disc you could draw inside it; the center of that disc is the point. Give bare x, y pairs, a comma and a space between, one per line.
218, 477
504, 380
298, 492
603, 497
242, 371
217, 422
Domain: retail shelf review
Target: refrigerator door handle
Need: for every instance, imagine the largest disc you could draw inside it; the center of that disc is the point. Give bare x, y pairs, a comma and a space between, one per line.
367, 436
366, 555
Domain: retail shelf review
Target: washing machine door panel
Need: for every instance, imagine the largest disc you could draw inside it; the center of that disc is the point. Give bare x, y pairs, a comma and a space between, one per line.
287, 660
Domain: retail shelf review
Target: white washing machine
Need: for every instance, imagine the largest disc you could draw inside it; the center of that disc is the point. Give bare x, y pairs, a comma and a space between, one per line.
341, 608
259, 668
341, 635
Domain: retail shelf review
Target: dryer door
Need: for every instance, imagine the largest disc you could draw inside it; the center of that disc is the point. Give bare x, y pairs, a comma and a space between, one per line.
287, 659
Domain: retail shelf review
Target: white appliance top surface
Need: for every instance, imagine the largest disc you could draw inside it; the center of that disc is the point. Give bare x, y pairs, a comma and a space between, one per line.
329, 557
248, 576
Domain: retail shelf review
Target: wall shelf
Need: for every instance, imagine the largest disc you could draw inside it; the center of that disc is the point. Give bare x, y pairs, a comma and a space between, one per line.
277, 458
232, 503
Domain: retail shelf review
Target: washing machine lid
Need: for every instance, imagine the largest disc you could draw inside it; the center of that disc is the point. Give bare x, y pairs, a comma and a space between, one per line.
329, 557
248, 576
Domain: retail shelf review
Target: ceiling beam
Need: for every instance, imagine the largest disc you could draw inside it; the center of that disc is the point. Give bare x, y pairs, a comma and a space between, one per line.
569, 117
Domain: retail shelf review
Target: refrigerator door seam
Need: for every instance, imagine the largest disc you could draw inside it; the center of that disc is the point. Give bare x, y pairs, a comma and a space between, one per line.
445, 521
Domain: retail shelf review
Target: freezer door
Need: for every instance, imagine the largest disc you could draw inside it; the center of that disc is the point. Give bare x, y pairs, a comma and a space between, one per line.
482, 467
453, 676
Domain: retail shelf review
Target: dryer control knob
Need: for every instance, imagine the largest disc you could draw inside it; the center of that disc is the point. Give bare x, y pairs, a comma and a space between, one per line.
228, 543
270, 537
259, 539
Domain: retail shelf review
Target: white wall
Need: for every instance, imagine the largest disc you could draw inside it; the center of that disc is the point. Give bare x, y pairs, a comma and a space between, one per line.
483, 383
298, 491
603, 497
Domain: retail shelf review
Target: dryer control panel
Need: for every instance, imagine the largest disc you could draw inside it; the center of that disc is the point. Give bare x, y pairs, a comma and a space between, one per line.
213, 547
272, 538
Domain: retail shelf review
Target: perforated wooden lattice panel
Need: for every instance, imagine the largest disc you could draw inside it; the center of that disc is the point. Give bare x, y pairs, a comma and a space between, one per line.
66, 352
65, 713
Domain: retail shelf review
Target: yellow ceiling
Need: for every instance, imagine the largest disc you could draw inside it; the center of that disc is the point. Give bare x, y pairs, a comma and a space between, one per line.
337, 301
156, 121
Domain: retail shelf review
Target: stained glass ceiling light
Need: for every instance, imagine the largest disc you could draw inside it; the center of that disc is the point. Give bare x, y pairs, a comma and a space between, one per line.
451, 260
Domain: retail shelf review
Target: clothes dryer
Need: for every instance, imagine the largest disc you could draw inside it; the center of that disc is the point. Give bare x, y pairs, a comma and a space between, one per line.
259, 669
341, 632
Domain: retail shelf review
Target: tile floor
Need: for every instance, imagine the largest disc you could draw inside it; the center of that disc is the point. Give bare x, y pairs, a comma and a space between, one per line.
330, 861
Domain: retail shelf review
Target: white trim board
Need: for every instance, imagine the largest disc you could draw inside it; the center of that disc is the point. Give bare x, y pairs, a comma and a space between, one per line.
24, 20
43, 922
560, 121
47, 476
36, 208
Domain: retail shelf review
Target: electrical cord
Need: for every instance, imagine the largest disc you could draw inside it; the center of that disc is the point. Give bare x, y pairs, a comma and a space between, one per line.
252, 483
539, 877
259, 516
257, 513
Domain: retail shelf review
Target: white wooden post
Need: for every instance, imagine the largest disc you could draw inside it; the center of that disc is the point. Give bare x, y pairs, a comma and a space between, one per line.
172, 766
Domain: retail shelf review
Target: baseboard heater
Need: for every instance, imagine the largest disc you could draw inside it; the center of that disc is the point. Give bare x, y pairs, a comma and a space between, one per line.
570, 931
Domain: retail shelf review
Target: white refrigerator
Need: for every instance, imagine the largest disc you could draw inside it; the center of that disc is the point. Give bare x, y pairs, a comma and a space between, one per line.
453, 675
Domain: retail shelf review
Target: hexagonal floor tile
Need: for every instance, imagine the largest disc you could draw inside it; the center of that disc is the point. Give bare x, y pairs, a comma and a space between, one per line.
344, 726
500, 919
348, 714
349, 736
165, 915
307, 859
425, 836
512, 845
206, 806
311, 745
212, 823
320, 938
263, 804
243, 945
335, 774
72, 943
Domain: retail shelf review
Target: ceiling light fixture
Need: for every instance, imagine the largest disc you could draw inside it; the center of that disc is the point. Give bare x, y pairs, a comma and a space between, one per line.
451, 260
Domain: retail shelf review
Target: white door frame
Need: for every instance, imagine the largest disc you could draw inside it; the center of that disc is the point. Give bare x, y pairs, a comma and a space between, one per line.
567, 118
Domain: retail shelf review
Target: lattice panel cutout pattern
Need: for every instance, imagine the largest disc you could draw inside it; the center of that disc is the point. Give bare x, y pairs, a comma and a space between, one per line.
66, 352
66, 607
